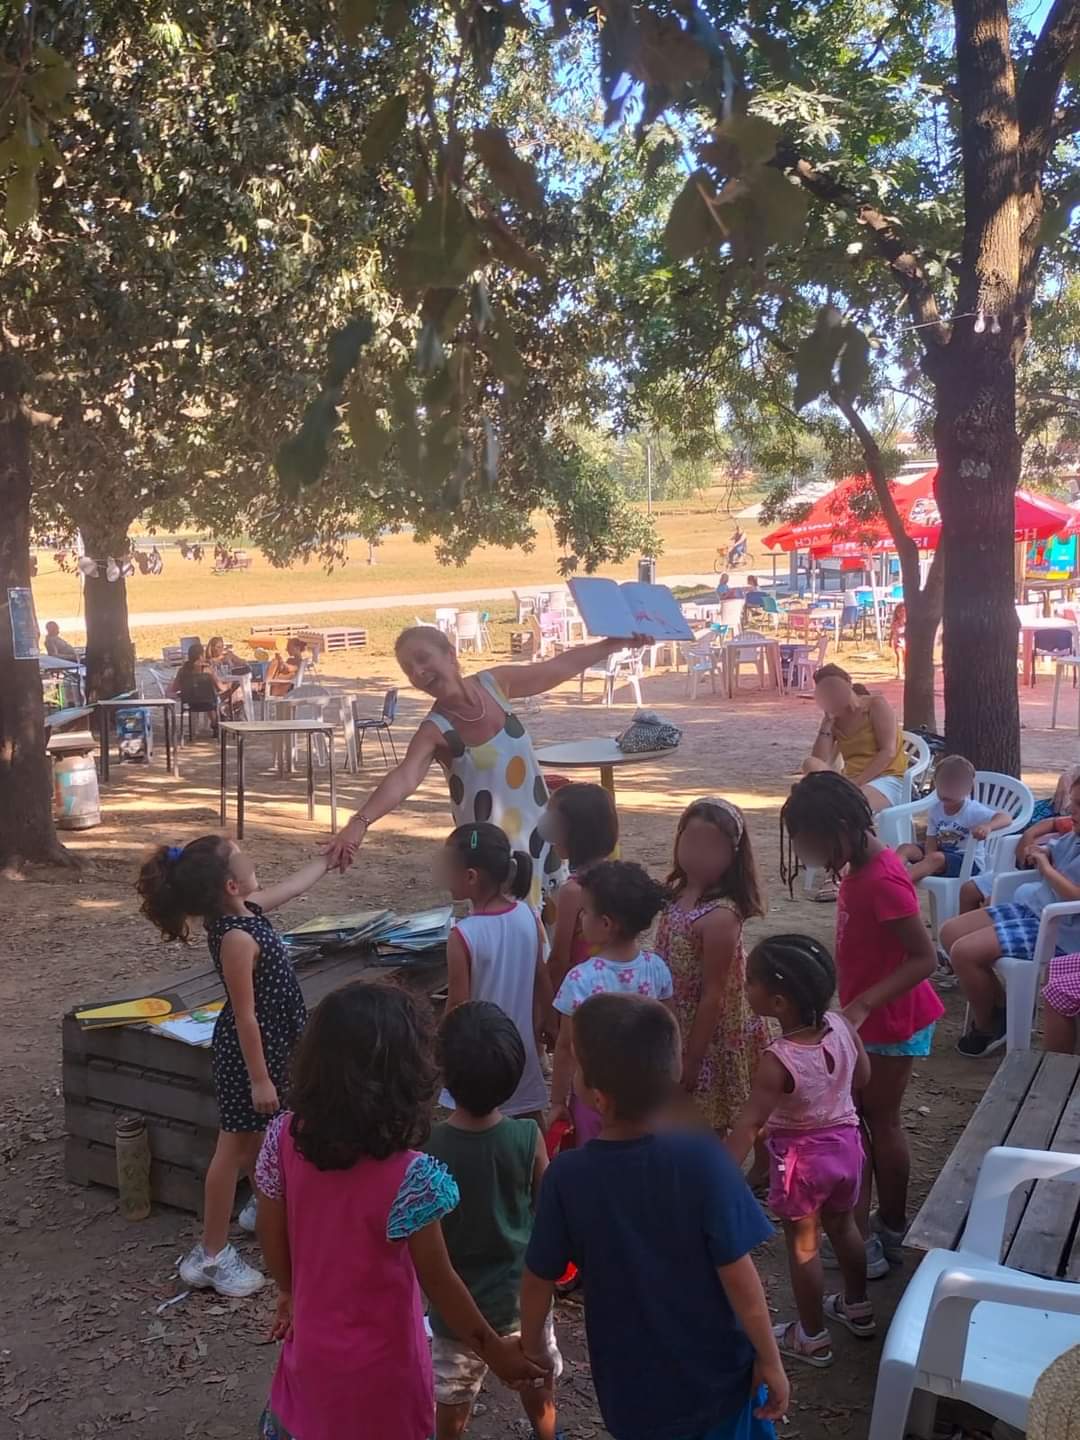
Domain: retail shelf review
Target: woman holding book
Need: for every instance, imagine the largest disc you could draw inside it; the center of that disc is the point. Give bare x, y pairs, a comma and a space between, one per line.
483, 748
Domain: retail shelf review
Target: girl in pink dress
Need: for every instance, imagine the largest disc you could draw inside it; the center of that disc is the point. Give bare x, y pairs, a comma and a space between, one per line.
348, 1219
803, 1095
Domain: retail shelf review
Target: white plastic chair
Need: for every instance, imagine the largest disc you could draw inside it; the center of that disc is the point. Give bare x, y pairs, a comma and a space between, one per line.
701, 659
623, 667
967, 1327
469, 630
446, 621
731, 611
552, 624
998, 792
747, 649
804, 665
1022, 978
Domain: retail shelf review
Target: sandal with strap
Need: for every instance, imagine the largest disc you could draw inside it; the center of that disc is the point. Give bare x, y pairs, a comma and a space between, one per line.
858, 1318
793, 1342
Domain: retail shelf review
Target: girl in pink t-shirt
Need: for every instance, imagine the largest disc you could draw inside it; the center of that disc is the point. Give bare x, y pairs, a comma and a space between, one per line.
348, 1219
884, 957
803, 1095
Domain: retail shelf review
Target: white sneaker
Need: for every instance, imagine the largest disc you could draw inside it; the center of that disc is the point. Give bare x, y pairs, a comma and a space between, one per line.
226, 1273
877, 1266
248, 1215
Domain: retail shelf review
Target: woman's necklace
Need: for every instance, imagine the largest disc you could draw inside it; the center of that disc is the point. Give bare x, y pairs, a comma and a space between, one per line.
799, 1030
469, 719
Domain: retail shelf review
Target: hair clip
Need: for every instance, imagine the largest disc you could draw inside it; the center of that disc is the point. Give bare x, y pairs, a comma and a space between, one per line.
474, 839
173, 853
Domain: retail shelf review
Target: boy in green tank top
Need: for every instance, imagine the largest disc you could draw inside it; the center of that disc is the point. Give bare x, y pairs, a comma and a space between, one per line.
498, 1164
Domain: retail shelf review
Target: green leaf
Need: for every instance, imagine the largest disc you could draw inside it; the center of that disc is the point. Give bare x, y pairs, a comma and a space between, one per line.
514, 176
501, 345
817, 355
443, 250
369, 436
692, 226
344, 346
480, 307
741, 142
430, 355
666, 54
780, 207
408, 432
51, 83
854, 371
22, 197
356, 16
384, 127
489, 459
441, 449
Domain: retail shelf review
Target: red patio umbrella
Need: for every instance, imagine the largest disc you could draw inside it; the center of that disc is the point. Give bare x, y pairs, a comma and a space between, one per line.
837, 524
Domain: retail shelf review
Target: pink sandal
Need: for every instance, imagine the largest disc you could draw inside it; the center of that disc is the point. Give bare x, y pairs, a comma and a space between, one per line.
793, 1342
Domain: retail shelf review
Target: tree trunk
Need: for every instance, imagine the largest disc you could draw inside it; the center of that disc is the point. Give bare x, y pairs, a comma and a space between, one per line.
979, 456
923, 618
110, 655
26, 823
975, 425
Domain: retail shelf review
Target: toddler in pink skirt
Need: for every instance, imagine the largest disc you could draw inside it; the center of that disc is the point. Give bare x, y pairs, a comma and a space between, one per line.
1061, 994
803, 1095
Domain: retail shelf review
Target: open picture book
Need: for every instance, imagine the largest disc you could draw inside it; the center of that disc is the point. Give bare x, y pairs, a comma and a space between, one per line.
618, 611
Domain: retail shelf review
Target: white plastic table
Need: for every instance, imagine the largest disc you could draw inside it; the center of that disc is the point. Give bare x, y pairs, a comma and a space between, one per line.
764, 652
169, 709
1063, 664
242, 729
602, 755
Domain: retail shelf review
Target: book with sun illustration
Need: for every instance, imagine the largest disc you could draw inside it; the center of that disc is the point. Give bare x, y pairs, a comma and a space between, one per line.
633, 608
138, 1010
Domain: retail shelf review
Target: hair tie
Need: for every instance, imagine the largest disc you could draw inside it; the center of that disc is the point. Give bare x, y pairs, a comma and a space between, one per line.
173, 853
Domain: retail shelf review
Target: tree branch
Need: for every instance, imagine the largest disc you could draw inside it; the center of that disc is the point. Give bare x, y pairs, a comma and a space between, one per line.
906, 549
1041, 85
888, 238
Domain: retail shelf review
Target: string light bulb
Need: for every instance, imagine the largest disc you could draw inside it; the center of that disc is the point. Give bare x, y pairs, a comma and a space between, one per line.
980, 323
995, 325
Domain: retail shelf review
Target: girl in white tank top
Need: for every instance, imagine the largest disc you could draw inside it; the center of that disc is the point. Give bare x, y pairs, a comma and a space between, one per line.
497, 952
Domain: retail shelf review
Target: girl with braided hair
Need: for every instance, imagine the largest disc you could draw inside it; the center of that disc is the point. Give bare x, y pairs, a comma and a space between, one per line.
884, 958
803, 1095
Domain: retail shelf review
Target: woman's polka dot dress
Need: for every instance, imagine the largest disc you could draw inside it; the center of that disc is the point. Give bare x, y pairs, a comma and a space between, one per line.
279, 1009
501, 781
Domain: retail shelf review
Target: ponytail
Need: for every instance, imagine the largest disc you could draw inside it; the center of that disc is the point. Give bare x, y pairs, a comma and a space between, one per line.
484, 847
179, 882
519, 876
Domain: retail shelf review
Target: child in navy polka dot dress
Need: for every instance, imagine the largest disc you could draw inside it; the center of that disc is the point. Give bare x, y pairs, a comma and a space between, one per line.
212, 880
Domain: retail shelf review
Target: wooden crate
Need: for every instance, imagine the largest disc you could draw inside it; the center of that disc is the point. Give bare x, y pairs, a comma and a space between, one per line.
139, 1070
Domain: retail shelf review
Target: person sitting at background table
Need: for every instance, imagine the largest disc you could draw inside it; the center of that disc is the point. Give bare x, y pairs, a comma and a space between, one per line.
56, 645
281, 677
861, 728
197, 664
755, 596
723, 586
223, 660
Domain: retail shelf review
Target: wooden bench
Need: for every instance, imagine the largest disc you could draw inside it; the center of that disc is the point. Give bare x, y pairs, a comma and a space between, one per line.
140, 1070
1033, 1103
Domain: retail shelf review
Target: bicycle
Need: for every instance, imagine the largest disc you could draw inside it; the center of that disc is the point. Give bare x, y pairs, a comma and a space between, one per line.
723, 563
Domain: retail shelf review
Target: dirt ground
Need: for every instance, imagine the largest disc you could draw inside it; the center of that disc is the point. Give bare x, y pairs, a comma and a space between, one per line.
84, 1350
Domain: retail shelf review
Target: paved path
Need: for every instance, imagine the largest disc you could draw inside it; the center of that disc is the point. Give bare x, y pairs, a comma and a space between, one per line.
329, 605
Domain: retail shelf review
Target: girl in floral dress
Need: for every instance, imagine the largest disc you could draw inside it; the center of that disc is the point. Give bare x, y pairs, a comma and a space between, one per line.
716, 890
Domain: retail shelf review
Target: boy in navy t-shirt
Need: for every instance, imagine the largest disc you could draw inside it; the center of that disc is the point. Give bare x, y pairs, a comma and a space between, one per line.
661, 1225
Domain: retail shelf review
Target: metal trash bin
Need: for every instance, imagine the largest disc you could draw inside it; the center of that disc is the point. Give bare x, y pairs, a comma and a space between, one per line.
76, 800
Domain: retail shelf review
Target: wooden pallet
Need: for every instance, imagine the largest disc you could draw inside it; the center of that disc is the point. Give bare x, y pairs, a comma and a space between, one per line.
333, 637
140, 1070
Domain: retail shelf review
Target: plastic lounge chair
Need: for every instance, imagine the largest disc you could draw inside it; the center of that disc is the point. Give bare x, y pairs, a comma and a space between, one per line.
380, 724
1023, 978
970, 1329
999, 792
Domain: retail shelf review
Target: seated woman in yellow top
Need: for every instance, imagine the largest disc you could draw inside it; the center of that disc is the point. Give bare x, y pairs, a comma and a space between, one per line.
863, 729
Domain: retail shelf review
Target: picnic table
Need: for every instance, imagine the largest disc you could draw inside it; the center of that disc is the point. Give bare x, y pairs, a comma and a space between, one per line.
1033, 1102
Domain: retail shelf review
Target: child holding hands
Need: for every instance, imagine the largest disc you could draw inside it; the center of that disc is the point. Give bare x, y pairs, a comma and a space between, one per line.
212, 880
349, 1222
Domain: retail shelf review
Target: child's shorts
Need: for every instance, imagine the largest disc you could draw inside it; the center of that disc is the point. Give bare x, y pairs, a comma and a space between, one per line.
743, 1426
1017, 929
814, 1170
459, 1371
915, 1047
954, 860
1062, 991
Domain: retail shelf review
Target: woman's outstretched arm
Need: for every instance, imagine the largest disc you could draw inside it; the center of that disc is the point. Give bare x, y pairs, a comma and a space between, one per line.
519, 681
398, 785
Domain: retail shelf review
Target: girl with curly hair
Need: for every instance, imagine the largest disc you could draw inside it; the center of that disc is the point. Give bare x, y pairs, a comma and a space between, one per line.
349, 1213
